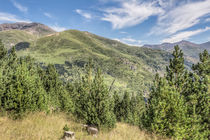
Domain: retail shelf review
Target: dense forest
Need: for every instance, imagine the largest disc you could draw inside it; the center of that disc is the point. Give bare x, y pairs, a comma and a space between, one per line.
177, 106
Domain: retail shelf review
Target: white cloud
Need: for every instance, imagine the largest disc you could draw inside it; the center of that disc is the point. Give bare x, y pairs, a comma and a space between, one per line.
184, 35
48, 15
57, 28
207, 20
84, 14
130, 41
186, 15
167, 4
20, 7
116, 39
130, 13
172, 15
122, 32
6, 17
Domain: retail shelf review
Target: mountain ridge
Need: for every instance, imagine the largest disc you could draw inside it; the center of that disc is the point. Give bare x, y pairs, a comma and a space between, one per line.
190, 50
32, 28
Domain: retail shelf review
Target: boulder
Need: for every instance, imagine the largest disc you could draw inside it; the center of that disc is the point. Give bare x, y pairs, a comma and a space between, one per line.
68, 135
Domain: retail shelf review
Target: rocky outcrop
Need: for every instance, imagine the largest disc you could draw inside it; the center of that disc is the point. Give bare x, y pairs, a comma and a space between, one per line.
128, 63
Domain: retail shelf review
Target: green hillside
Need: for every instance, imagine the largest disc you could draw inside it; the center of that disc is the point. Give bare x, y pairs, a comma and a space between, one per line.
11, 38
71, 50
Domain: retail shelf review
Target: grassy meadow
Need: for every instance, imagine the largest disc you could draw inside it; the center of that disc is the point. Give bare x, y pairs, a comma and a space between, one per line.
39, 126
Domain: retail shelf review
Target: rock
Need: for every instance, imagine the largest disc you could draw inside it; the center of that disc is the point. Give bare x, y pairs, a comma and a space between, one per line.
91, 130
68, 135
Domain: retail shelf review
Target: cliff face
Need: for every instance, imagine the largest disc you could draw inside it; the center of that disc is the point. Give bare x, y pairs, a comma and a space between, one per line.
33, 28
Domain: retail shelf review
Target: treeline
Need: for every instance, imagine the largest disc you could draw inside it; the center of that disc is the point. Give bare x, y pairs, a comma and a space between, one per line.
178, 103
26, 87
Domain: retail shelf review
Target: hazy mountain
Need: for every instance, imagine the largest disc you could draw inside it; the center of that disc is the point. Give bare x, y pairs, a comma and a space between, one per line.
206, 46
191, 50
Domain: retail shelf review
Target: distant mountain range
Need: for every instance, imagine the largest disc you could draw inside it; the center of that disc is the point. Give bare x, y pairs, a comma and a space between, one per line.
191, 50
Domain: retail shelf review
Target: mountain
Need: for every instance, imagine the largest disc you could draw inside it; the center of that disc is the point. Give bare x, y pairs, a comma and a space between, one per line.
24, 33
206, 46
71, 50
191, 50
37, 29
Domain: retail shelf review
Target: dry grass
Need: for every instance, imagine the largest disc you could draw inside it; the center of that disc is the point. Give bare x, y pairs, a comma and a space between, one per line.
39, 126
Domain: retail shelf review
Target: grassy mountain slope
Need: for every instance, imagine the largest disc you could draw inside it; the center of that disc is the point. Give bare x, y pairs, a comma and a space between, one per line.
125, 64
11, 38
22, 34
41, 126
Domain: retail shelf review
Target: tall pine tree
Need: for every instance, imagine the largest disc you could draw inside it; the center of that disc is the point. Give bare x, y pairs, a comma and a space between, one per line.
167, 113
93, 101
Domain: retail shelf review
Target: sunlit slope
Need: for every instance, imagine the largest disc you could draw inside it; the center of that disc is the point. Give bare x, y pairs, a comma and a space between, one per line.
12, 37
118, 61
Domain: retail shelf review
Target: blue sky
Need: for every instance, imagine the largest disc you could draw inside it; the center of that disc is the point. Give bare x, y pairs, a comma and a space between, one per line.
135, 22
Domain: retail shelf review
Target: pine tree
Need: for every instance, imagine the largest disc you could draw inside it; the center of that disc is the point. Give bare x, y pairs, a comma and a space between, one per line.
175, 70
58, 97
126, 108
167, 112
3, 53
22, 89
117, 106
194, 94
178, 103
93, 101
201, 90
3, 50
203, 67
137, 108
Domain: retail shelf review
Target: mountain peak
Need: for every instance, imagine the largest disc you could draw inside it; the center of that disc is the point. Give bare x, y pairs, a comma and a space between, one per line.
33, 28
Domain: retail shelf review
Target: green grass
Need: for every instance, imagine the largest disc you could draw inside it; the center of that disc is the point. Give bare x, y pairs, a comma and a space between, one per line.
11, 37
